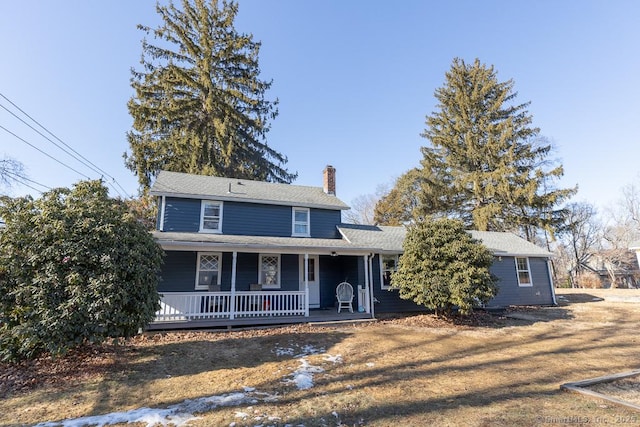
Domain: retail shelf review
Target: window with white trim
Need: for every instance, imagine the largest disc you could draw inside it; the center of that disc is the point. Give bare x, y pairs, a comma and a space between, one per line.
211, 216
524, 272
269, 271
389, 266
300, 222
208, 270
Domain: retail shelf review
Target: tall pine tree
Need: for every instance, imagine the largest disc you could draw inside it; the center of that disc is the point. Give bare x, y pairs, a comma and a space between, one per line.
485, 161
199, 103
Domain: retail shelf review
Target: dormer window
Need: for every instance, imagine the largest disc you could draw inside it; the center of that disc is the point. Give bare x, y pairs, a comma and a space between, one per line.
211, 216
301, 222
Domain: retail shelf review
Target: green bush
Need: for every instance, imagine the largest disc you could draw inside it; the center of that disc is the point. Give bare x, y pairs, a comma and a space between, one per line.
443, 268
75, 267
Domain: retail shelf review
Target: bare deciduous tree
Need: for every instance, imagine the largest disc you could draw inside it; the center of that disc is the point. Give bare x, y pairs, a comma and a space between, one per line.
581, 235
11, 171
363, 207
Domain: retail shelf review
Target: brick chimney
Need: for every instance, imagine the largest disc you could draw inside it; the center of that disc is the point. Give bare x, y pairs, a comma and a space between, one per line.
329, 182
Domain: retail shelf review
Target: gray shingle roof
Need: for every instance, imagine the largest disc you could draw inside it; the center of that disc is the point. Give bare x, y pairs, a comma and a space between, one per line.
231, 189
390, 239
264, 243
501, 243
384, 238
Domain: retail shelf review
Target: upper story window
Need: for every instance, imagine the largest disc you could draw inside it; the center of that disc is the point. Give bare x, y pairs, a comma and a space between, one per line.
211, 216
389, 266
524, 271
301, 222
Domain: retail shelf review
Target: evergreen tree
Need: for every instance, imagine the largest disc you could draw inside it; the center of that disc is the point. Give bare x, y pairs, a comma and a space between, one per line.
486, 162
443, 267
199, 103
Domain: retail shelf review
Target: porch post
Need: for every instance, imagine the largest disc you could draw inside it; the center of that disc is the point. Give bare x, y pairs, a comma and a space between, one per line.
232, 305
306, 284
365, 303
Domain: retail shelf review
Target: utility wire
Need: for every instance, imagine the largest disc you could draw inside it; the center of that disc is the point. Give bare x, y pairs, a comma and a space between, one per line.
18, 177
43, 152
94, 167
27, 185
98, 171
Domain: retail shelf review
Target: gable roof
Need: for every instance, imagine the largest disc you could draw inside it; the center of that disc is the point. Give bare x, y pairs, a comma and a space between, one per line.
389, 239
176, 184
503, 243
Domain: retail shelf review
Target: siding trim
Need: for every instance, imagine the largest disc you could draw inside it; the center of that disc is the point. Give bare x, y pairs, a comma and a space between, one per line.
163, 203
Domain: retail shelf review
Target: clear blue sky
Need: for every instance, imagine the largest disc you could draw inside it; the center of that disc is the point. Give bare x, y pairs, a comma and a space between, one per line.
355, 80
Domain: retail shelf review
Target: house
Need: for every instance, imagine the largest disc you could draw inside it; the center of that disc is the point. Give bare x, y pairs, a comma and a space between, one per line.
241, 251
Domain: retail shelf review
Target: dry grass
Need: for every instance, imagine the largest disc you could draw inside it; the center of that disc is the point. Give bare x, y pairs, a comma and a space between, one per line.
410, 371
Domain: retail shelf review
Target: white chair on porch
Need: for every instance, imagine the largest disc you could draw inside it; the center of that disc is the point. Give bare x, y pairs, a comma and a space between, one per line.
344, 295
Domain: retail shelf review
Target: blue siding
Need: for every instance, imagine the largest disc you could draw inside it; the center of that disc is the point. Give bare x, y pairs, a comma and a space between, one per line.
334, 270
248, 219
510, 293
323, 223
181, 215
289, 272
251, 219
246, 271
178, 272
389, 300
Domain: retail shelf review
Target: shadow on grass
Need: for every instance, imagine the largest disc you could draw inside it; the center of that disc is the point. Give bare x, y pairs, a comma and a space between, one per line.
525, 359
492, 319
566, 299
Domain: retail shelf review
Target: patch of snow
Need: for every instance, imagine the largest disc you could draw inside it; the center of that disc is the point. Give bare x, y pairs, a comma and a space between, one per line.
248, 389
303, 376
284, 351
177, 415
335, 359
308, 350
370, 364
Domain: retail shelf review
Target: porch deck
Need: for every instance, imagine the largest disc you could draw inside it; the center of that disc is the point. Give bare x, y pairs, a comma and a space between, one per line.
315, 316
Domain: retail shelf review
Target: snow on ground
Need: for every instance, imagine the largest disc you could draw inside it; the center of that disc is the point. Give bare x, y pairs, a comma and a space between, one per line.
177, 415
180, 414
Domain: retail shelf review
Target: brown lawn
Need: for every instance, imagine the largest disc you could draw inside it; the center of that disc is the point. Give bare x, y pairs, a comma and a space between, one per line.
410, 371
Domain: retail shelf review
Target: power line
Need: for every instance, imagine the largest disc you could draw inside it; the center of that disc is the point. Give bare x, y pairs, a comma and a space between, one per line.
93, 166
43, 152
17, 177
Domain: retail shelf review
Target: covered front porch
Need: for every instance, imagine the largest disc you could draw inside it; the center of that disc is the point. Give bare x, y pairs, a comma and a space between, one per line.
181, 310
215, 282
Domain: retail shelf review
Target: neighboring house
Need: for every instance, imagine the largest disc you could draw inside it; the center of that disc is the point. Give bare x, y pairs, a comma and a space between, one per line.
241, 251
613, 268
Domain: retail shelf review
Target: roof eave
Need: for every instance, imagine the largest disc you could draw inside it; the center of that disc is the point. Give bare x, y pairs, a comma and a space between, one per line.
228, 198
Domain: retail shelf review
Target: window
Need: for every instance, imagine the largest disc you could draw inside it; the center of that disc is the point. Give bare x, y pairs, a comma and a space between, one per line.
300, 222
269, 271
311, 269
208, 273
389, 266
211, 217
524, 273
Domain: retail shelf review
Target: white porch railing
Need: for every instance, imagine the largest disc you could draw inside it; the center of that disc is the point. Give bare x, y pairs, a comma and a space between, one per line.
177, 306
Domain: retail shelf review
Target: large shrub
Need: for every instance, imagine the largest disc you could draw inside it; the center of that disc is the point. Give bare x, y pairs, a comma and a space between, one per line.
75, 267
443, 268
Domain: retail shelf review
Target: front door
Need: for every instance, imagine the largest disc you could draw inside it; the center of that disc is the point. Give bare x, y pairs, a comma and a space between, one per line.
314, 280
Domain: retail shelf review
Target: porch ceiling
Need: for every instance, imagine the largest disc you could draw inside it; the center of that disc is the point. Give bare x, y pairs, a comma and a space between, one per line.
203, 241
